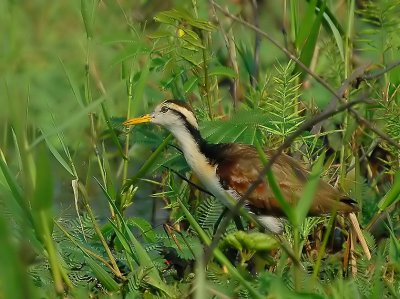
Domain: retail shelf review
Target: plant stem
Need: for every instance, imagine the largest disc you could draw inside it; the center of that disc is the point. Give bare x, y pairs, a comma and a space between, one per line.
149, 162
218, 254
128, 115
297, 252
98, 231
322, 248
206, 79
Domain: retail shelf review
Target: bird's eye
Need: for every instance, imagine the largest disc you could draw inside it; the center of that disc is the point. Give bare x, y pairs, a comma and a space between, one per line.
164, 109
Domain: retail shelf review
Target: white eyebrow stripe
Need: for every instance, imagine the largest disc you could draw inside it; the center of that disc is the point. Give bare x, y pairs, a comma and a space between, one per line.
188, 114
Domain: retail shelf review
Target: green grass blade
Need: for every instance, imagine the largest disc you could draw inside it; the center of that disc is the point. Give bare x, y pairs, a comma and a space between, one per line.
124, 242
140, 86
84, 249
307, 50
149, 162
222, 71
337, 36
112, 131
18, 152
274, 186
87, 11
15, 189
294, 14
43, 196
218, 253
58, 157
329, 14
392, 196
71, 120
142, 256
102, 275
305, 29
200, 283
309, 190
108, 173
42, 207
74, 86
144, 226
13, 276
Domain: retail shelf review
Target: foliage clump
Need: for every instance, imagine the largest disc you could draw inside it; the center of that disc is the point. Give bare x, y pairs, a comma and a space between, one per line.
89, 210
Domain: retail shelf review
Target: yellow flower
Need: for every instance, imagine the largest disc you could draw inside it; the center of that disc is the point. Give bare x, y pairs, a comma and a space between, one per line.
180, 32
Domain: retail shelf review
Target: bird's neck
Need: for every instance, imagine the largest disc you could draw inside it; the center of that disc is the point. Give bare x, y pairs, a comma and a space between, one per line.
190, 142
201, 156
197, 150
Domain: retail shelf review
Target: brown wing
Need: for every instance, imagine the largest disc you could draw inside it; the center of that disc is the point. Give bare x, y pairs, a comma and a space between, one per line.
239, 167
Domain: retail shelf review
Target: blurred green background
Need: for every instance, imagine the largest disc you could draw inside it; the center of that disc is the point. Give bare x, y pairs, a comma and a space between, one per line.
72, 71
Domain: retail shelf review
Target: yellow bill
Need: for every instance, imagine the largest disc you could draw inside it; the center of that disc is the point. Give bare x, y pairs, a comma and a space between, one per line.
139, 120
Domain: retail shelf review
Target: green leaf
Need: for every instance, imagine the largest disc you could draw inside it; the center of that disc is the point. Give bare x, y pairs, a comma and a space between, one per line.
43, 196
392, 196
14, 187
163, 18
275, 187
124, 241
196, 42
144, 226
336, 35
112, 131
15, 283
102, 275
232, 241
190, 84
307, 50
17, 150
254, 241
58, 157
394, 249
173, 16
309, 190
305, 29
74, 85
87, 11
222, 71
189, 57
159, 34
241, 127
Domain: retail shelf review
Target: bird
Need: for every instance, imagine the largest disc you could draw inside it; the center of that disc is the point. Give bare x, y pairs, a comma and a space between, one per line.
232, 167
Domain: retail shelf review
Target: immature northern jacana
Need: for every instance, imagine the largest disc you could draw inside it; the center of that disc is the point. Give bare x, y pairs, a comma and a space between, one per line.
232, 167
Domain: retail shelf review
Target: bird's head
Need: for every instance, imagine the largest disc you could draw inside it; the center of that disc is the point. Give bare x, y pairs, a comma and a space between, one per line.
171, 114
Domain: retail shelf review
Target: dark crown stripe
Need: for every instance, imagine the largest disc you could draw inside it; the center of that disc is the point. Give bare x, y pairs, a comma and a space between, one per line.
180, 104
